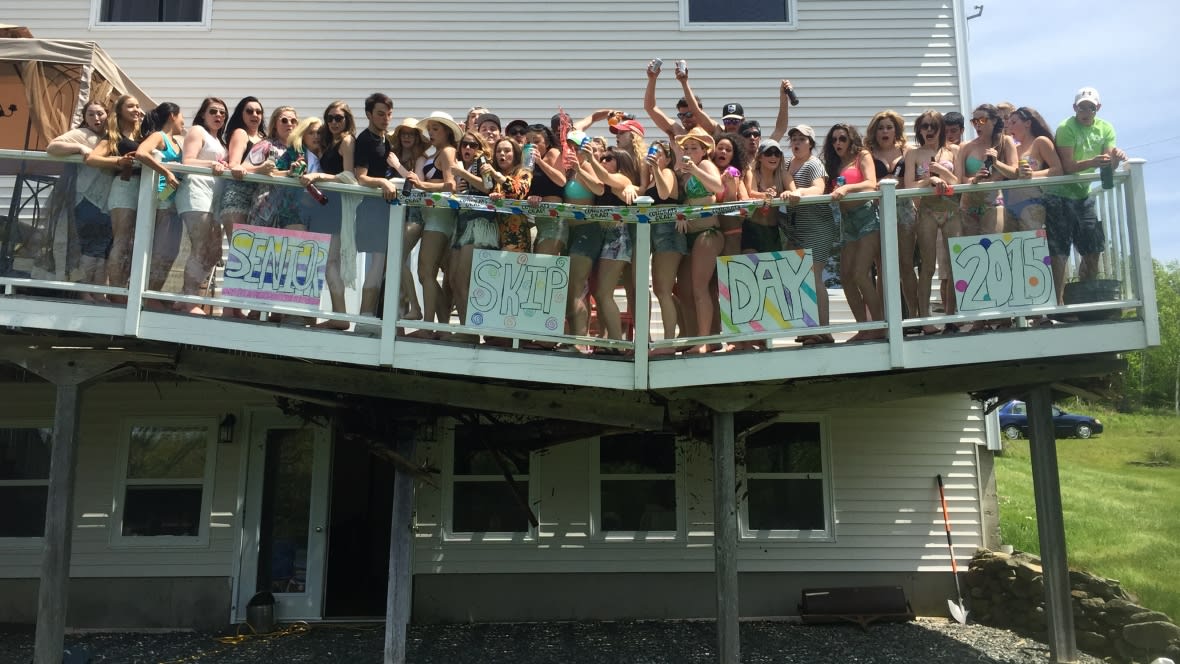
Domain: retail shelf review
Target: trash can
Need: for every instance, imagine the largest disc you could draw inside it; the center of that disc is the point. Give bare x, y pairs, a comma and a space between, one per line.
260, 613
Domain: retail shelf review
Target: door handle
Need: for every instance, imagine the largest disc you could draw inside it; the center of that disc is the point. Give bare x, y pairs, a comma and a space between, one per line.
319, 529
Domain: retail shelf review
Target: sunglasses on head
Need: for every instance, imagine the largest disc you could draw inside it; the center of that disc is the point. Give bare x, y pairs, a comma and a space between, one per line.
751, 134
335, 118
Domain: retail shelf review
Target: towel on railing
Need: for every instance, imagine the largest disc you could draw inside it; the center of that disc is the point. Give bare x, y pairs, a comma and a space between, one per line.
348, 204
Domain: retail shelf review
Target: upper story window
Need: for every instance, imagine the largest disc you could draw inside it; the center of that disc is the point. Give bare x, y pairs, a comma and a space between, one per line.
166, 487
737, 13
636, 485
788, 479
142, 13
482, 501
24, 480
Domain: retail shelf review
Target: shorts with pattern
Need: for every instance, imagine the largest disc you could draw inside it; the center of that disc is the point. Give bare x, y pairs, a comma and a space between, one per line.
94, 229
859, 222
665, 239
514, 232
1071, 221
552, 228
616, 243
238, 197
479, 231
585, 240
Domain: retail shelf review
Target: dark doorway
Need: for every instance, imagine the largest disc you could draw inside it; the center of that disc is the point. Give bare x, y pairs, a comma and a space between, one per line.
359, 529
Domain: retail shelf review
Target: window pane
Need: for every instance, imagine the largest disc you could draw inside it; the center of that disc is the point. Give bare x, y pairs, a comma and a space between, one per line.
637, 453
149, 511
151, 11
472, 457
785, 447
24, 454
23, 511
737, 11
172, 453
489, 507
786, 505
638, 505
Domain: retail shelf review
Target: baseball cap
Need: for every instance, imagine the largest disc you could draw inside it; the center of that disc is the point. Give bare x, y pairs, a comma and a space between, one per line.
516, 124
488, 117
806, 130
1086, 94
733, 110
627, 125
768, 144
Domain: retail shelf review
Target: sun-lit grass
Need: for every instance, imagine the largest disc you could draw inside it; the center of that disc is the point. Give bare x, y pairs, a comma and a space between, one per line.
1122, 521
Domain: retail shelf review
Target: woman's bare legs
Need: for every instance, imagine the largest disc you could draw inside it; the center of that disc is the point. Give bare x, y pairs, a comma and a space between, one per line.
665, 265
705, 250
409, 295
609, 318
204, 250
430, 256
335, 283
856, 261
119, 259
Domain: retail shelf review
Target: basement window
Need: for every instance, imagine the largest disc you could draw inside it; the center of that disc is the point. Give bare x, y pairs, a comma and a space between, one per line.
482, 501
787, 480
165, 491
24, 480
636, 486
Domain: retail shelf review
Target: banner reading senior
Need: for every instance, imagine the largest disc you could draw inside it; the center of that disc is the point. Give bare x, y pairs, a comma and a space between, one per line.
276, 265
774, 290
1004, 271
518, 292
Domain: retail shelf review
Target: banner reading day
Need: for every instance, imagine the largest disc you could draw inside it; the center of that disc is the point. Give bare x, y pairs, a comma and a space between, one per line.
518, 292
276, 265
769, 291
1003, 271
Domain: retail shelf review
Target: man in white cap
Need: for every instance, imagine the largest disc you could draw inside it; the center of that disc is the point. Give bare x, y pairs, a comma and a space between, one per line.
1084, 142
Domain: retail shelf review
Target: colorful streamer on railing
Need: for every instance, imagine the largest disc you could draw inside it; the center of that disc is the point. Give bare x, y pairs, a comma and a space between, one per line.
636, 214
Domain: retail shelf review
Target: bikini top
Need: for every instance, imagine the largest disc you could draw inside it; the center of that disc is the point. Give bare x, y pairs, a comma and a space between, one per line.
430, 171
694, 188
922, 169
972, 164
882, 169
575, 191
852, 175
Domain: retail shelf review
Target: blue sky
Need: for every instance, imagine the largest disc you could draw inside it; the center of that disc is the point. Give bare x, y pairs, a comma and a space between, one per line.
1038, 53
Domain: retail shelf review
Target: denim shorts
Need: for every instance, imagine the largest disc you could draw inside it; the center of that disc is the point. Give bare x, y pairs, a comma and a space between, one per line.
586, 240
665, 239
94, 229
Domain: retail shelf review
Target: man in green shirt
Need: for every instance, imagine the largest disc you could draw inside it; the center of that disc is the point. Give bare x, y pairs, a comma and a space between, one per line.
1084, 142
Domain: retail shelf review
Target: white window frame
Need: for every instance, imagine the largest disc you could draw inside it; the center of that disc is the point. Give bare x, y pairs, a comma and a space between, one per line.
596, 477
790, 24
118, 539
828, 534
26, 542
96, 22
449, 534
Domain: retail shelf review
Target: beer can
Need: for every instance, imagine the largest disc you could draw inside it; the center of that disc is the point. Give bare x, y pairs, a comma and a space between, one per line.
681, 66
654, 65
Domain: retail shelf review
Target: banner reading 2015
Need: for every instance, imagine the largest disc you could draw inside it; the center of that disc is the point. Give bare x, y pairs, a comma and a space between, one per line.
518, 292
1005, 271
759, 292
276, 265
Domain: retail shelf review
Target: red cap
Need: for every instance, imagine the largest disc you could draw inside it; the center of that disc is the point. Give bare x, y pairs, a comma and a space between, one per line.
627, 125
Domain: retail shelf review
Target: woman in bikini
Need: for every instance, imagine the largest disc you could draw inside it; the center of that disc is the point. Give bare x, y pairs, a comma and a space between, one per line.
811, 226
729, 156
705, 241
433, 174
989, 157
614, 178
886, 141
550, 181
1036, 158
668, 245
162, 129
408, 145
850, 167
932, 164
244, 129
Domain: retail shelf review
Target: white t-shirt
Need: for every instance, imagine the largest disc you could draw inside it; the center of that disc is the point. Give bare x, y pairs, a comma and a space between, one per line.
93, 184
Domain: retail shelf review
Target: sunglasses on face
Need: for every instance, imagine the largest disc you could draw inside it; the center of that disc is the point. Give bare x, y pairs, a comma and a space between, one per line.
254, 111
335, 118
288, 121
469, 144
927, 126
772, 153
978, 122
684, 115
1088, 108
840, 139
751, 134
215, 111
731, 121
517, 132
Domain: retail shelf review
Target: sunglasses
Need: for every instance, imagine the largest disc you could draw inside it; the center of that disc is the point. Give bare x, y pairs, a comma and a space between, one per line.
518, 132
684, 115
751, 134
254, 111
978, 122
1088, 108
927, 126
469, 144
772, 153
731, 121
215, 111
840, 139
288, 121
335, 118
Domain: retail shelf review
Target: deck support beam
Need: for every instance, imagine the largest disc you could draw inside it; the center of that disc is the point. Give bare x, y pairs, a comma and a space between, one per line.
398, 598
1051, 526
725, 538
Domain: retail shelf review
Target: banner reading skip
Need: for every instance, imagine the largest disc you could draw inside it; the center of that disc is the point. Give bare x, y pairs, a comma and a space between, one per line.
276, 265
1004, 271
774, 290
518, 292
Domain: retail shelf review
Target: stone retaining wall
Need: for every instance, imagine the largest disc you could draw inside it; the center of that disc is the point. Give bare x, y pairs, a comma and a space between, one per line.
1008, 591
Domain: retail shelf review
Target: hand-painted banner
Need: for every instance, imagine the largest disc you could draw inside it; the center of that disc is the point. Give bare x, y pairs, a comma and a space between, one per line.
650, 214
276, 265
770, 291
1005, 271
518, 292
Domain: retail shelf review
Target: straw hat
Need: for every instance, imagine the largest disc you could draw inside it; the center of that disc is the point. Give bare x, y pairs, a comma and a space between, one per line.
699, 135
408, 123
443, 118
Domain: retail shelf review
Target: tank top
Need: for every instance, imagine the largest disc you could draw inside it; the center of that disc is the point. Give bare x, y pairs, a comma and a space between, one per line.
211, 148
332, 162
654, 193
608, 197
128, 146
170, 154
543, 185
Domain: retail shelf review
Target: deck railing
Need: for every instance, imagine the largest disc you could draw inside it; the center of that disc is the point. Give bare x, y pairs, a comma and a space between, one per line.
1126, 259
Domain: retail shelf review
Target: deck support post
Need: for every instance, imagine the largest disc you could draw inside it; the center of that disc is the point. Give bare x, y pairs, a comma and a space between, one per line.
725, 538
68, 374
398, 599
1051, 526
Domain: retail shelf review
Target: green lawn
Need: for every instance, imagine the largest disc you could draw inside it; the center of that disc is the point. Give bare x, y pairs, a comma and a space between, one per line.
1122, 521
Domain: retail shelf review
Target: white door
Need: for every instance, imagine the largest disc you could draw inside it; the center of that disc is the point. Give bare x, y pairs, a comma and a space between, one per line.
284, 546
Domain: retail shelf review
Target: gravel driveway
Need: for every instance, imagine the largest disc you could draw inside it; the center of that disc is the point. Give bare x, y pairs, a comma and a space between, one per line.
927, 641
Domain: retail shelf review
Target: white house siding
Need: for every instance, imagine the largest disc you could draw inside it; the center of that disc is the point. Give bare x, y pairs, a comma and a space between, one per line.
106, 408
847, 58
884, 460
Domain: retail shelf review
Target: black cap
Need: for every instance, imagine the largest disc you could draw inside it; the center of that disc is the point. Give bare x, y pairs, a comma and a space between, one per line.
487, 117
516, 123
732, 109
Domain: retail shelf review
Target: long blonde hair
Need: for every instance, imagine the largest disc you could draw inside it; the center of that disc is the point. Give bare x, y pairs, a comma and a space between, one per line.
114, 133
305, 125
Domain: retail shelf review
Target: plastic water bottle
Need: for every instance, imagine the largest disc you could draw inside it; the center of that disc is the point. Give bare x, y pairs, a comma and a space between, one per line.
528, 160
836, 214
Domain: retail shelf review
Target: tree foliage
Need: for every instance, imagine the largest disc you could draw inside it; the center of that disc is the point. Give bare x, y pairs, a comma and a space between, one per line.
1153, 376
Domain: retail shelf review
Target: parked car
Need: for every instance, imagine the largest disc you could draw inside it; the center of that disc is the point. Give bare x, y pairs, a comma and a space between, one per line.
1014, 422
